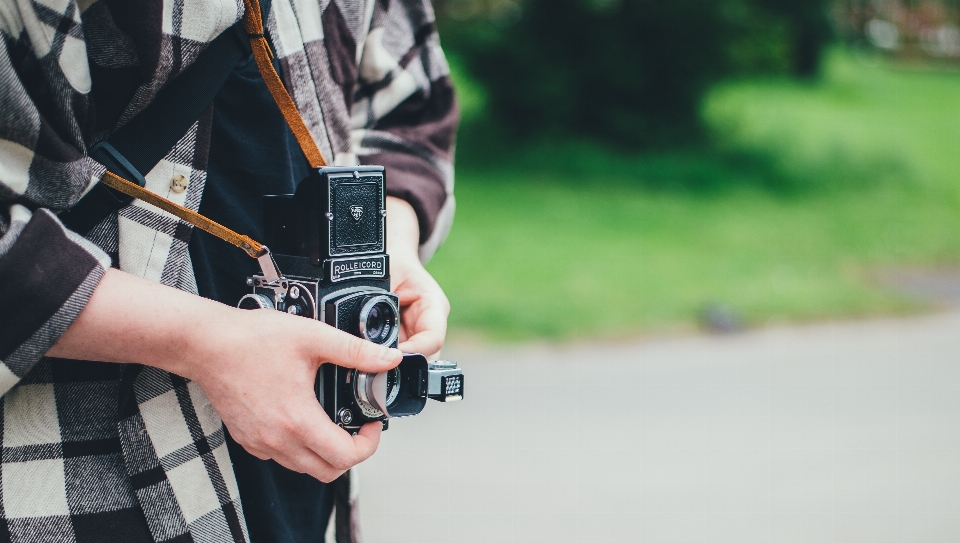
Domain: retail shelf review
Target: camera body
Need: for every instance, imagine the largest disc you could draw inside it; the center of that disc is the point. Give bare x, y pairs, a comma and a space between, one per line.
330, 240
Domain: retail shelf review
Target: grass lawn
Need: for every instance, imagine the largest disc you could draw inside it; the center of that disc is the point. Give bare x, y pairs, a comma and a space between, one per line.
807, 190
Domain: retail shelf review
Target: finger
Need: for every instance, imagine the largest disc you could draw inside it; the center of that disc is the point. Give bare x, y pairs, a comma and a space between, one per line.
307, 461
337, 447
312, 444
428, 315
427, 328
342, 451
293, 454
350, 351
427, 343
368, 439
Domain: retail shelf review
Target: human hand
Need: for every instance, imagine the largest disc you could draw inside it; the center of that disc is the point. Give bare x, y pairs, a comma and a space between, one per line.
261, 383
423, 305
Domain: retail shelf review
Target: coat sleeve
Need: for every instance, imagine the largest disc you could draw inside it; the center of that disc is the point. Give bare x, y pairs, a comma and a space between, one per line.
47, 273
405, 114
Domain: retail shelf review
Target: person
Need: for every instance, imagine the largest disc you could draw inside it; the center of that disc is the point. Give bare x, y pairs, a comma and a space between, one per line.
118, 380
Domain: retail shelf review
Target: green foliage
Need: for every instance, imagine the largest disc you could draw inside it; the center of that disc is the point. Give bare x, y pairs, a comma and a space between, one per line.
807, 30
632, 73
807, 190
471, 96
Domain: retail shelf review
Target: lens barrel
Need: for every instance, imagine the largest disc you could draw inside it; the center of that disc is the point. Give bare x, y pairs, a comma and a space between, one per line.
375, 392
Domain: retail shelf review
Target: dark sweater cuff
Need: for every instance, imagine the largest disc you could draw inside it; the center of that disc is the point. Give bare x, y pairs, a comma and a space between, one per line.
412, 179
47, 275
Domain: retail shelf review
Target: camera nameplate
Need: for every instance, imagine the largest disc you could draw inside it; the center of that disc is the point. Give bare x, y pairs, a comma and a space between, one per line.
340, 269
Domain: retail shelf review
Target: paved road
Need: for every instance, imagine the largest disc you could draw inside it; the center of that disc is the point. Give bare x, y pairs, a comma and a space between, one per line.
828, 433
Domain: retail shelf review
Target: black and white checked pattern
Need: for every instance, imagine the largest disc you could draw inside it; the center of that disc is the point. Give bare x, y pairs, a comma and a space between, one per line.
63, 475
93, 452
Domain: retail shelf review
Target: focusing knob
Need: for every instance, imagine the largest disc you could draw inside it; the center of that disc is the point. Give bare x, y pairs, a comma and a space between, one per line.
255, 301
299, 301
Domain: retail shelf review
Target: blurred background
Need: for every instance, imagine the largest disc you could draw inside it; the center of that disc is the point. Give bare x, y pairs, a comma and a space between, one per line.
704, 273
628, 167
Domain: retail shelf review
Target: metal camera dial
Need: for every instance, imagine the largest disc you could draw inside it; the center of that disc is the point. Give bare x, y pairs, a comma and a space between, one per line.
291, 298
255, 301
298, 301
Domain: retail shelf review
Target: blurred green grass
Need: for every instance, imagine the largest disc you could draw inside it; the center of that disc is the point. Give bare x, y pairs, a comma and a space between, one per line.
805, 191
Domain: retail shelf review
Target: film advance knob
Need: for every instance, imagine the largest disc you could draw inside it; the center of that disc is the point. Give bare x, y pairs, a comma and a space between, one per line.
255, 301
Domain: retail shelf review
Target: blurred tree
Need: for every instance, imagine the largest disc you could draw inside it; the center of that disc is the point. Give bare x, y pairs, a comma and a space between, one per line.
808, 31
627, 71
631, 72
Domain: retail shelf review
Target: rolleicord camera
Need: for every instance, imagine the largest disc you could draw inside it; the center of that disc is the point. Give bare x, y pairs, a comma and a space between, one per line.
330, 240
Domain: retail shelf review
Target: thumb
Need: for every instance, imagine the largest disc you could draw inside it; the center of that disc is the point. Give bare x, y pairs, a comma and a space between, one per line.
428, 343
349, 351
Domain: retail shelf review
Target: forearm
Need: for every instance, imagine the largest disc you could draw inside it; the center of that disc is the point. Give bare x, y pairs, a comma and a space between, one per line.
403, 234
129, 319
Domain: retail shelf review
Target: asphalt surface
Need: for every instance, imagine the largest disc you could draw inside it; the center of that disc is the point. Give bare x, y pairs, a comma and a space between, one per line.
828, 433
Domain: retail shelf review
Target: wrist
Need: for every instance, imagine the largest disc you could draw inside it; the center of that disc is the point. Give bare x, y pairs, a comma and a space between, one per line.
212, 329
403, 229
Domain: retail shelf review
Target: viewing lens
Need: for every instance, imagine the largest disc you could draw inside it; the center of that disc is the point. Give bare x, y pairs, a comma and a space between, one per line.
375, 322
378, 320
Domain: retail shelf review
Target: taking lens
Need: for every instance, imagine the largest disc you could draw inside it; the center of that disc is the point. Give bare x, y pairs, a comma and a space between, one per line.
393, 385
376, 392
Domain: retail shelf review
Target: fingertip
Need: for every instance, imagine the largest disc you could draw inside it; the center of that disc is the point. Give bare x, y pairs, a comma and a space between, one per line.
368, 439
371, 430
387, 359
391, 356
352, 352
423, 343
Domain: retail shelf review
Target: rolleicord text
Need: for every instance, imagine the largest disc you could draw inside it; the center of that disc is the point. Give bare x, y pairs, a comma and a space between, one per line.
355, 267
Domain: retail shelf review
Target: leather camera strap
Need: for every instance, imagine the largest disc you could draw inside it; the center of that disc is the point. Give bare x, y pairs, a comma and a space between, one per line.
249, 246
253, 23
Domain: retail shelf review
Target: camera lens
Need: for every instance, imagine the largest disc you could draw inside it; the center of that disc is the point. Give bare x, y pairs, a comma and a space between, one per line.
375, 392
378, 320
393, 385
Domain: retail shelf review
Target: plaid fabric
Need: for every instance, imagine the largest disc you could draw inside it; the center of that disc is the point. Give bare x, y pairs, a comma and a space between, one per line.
106, 452
372, 83
63, 478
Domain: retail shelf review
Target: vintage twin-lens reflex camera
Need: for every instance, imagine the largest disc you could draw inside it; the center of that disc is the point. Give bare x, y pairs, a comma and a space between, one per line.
330, 241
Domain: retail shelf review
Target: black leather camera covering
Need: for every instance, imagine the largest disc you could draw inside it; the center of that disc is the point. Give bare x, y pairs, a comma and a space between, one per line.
357, 225
335, 212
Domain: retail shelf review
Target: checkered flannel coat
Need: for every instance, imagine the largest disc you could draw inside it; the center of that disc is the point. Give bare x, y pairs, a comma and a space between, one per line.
96, 452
